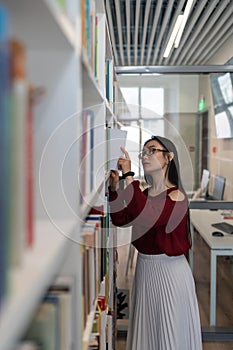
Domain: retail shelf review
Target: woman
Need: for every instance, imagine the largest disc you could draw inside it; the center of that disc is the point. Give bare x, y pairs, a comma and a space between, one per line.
164, 312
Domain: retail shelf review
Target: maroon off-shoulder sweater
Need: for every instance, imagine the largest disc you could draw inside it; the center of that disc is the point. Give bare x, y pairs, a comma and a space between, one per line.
159, 224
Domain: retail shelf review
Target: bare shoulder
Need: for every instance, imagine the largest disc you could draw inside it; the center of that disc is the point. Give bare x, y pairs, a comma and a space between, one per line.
177, 195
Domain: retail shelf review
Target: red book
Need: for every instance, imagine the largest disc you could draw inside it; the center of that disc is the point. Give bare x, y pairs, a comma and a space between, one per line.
33, 97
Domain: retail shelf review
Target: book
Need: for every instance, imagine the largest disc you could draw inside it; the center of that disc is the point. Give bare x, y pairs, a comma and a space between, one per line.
94, 343
88, 29
63, 289
86, 171
109, 332
95, 221
34, 96
61, 299
109, 80
90, 267
92, 34
18, 115
96, 48
43, 329
54, 299
29, 171
4, 149
104, 246
23, 98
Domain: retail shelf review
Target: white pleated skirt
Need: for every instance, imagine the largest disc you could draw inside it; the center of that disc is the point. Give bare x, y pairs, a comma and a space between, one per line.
164, 312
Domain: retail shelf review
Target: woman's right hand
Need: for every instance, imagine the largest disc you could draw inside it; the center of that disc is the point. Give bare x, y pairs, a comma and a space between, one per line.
114, 180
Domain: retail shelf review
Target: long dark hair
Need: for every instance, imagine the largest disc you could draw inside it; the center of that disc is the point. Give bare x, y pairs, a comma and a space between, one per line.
172, 172
173, 169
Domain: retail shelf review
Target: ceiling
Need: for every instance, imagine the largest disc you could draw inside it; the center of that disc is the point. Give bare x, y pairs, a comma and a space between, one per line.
140, 30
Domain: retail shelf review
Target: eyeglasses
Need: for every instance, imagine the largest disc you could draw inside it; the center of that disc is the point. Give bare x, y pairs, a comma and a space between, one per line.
150, 152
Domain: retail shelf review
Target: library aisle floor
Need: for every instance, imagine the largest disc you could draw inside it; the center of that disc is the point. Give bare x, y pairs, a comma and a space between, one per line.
202, 279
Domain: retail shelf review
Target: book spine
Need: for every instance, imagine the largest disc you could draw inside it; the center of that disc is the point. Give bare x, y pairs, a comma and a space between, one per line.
88, 29
87, 154
83, 14
19, 107
82, 170
91, 117
29, 171
92, 34
96, 70
4, 149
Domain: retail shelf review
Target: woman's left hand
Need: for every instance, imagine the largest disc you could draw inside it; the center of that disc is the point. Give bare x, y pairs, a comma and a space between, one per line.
124, 163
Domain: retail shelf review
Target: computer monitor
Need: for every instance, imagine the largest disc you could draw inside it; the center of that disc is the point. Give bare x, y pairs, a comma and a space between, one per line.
218, 190
219, 186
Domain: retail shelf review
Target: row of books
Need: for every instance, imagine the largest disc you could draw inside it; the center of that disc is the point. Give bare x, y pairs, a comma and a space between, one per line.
17, 100
91, 36
98, 284
95, 261
90, 22
51, 326
101, 335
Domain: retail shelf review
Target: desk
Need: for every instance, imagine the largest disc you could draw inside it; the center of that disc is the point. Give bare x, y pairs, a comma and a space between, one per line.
201, 220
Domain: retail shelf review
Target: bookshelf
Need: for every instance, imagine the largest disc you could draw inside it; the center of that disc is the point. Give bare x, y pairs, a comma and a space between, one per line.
68, 135
29, 284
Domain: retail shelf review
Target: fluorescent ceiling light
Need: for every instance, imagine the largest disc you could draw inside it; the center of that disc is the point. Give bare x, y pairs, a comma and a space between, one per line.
185, 18
173, 35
